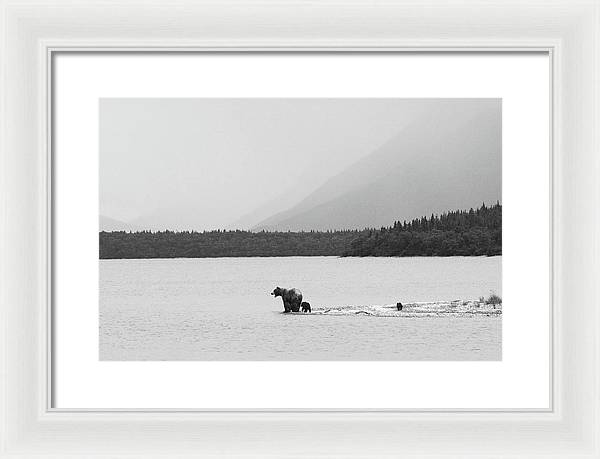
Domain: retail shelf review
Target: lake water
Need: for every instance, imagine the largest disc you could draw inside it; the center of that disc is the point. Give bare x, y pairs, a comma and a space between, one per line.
221, 309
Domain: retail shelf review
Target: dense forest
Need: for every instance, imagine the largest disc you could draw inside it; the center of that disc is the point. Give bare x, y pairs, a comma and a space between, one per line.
469, 233
220, 243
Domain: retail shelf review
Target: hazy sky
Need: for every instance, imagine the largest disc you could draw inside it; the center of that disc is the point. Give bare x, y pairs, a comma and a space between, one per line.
206, 163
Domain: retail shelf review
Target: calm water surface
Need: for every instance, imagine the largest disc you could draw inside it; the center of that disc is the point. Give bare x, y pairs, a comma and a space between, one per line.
220, 309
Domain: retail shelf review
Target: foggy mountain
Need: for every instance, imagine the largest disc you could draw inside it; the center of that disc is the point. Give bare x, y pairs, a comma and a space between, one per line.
443, 160
112, 224
289, 197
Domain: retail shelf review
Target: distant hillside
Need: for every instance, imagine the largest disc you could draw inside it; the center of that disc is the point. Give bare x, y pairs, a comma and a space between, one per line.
466, 233
112, 224
448, 159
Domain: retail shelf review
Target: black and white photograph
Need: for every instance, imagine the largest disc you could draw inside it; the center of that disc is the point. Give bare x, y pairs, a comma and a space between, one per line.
300, 229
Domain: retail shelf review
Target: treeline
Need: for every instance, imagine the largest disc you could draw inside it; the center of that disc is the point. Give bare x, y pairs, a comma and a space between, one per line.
473, 232
467, 233
219, 243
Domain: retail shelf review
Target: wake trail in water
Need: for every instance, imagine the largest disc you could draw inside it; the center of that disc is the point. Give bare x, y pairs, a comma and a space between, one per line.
457, 308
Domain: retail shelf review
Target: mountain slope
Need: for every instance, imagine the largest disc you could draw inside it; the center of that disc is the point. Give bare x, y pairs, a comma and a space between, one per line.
445, 159
112, 224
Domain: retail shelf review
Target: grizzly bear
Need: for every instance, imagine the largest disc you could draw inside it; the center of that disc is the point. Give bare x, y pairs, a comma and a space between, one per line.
292, 298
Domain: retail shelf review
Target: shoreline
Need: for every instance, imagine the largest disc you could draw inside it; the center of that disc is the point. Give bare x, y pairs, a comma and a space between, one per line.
300, 256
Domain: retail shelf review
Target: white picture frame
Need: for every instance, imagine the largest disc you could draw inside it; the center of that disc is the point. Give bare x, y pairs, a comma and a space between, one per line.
32, 31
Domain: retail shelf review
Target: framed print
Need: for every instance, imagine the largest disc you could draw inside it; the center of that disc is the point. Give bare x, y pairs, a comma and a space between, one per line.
275, 229
203, 190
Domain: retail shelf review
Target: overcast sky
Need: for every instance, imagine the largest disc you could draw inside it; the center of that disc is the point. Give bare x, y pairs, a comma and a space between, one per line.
207, 163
